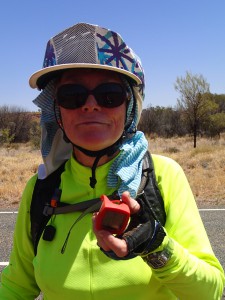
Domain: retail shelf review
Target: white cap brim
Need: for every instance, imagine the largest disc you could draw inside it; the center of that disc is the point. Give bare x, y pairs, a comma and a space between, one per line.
48, 70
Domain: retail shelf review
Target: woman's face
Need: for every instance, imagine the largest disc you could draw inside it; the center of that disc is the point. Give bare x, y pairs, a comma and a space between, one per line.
91, 126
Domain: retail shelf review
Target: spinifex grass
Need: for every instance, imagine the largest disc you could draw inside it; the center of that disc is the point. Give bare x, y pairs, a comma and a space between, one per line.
17, 164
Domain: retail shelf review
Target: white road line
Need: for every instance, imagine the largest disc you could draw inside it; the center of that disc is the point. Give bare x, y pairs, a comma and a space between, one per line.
4, 263
200, 209
211, 209
8, 212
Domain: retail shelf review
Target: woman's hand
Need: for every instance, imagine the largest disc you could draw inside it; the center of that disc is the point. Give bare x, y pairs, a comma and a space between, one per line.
108, 241
142, 236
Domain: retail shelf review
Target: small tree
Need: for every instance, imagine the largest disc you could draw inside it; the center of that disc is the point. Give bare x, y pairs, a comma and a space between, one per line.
149, 121
193, 101
6, 137
217, 124
35, 134
220, 100
17, 121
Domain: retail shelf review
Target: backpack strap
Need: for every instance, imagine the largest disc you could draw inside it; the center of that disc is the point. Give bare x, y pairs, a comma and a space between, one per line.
149, 190
42, 194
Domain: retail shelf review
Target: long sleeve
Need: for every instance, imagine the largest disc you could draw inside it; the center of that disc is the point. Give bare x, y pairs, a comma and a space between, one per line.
17, 279
193, 271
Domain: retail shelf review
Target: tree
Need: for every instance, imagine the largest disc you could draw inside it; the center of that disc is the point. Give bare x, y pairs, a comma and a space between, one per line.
16, 122
162, 121
217, 124
194, 100
220, 100
149, 121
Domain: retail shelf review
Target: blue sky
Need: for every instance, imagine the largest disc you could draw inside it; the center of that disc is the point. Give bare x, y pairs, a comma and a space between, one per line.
170, 37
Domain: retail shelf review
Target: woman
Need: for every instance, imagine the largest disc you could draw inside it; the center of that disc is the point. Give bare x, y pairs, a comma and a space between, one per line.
92, 90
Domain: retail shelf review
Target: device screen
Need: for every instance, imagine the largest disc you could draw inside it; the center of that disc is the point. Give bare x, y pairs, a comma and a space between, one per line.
113, 220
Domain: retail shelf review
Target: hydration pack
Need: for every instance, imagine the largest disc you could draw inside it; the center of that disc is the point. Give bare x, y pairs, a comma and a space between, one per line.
46, 200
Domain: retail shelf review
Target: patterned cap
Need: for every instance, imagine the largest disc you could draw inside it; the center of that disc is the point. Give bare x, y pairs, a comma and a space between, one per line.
88, 46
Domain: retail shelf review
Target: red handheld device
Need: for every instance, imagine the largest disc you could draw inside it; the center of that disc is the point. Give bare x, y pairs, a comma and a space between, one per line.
113, 216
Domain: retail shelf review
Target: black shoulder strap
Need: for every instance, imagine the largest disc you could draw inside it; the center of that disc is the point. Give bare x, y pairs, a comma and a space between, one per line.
42, 194
150, 191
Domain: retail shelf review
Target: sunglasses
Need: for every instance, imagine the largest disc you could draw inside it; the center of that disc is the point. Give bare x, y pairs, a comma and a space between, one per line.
109, 95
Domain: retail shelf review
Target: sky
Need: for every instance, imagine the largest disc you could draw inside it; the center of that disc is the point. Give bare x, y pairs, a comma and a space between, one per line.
170, 36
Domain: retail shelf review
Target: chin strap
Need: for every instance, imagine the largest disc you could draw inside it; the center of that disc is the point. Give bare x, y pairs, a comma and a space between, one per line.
93, 180
98, 154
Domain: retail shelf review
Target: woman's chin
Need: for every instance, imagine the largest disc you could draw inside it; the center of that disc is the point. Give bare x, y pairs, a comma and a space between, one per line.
95, 143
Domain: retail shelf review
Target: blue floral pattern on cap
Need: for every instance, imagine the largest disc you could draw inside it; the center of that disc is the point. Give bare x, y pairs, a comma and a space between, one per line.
49, 59
113, 51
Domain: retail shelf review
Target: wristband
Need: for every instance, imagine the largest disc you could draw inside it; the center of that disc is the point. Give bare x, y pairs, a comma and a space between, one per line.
159, 259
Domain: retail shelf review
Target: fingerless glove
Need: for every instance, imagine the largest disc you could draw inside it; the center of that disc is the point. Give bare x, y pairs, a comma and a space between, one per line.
144, 233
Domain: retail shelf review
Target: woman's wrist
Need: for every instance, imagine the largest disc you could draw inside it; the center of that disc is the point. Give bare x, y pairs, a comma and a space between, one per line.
161, 255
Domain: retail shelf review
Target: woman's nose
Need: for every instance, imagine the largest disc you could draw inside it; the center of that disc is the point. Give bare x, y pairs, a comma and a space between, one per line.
91, 104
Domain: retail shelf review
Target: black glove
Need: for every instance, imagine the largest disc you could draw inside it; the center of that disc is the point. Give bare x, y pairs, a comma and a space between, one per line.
143, 235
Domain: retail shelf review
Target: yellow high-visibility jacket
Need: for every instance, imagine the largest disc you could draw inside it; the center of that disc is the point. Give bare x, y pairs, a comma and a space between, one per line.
83, 272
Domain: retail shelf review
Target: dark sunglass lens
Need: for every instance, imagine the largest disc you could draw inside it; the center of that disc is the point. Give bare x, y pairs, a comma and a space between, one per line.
110, 95
71, 96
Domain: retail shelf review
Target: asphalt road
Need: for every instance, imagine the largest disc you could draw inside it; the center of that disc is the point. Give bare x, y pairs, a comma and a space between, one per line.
212, 219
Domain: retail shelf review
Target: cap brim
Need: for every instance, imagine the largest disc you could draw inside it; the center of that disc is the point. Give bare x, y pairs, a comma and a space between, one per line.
40, 78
